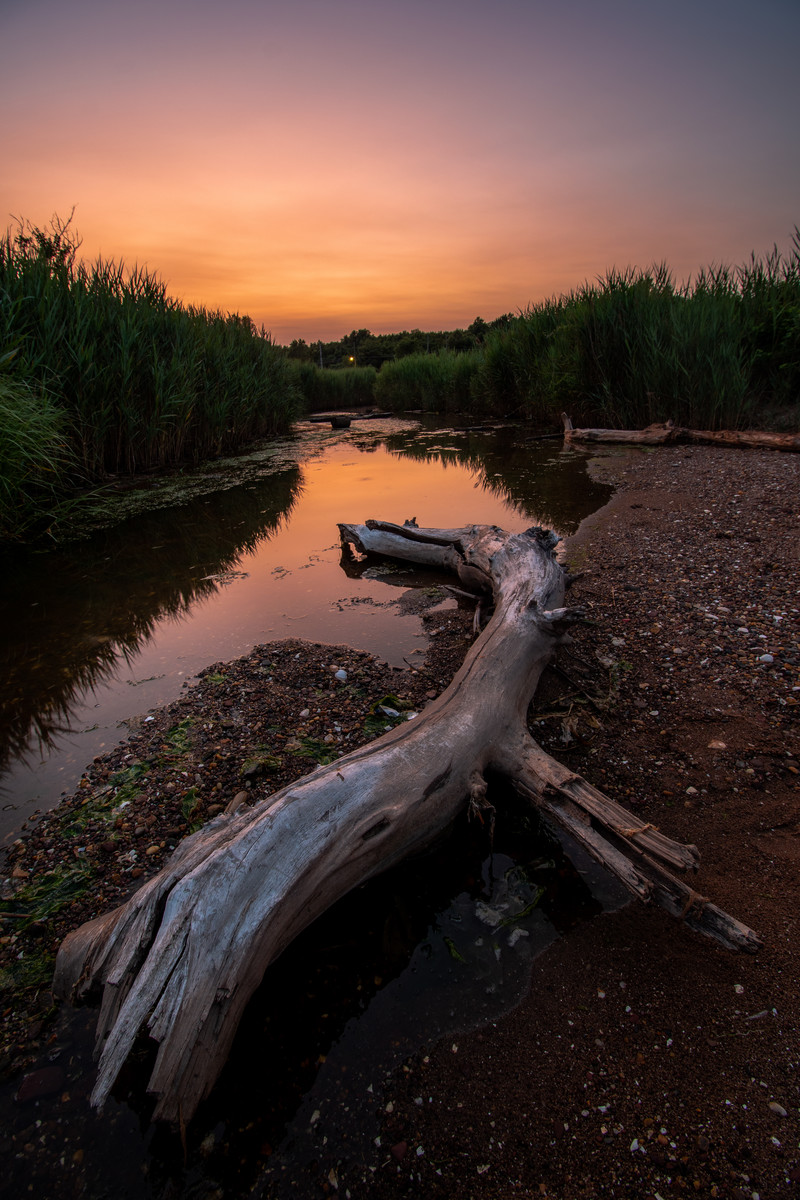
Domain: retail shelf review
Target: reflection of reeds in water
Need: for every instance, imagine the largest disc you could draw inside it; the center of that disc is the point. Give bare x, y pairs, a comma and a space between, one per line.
552, 494
69, 620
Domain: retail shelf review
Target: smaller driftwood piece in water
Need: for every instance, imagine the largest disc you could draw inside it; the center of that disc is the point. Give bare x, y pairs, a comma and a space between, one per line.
184, 955
662, 434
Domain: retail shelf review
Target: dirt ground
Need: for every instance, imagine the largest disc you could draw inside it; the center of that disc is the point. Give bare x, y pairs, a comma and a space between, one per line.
646, 1061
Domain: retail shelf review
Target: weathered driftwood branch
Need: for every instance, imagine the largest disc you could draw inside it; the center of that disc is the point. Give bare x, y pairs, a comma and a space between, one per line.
186, 952
667, 433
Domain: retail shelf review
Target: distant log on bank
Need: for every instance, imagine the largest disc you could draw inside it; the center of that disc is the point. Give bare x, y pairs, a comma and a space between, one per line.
668, 432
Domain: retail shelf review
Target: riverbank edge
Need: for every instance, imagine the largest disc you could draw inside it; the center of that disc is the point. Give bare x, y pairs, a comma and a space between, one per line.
516, 1070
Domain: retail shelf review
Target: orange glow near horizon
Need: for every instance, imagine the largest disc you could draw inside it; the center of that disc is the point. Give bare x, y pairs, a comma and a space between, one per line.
400, 166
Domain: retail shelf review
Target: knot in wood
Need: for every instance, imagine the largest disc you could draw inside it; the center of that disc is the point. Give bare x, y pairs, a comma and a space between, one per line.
695, 904
631, 831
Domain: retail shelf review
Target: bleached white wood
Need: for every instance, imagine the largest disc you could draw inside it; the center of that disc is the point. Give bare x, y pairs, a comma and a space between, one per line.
662, 434
186, 952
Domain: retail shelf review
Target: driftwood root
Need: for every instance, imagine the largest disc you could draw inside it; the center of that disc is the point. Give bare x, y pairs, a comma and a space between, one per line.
184, 955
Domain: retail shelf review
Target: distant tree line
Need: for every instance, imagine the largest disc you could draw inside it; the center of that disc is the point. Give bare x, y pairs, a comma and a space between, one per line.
361, 348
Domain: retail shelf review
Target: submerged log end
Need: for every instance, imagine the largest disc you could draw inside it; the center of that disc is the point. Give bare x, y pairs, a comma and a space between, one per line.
348, 536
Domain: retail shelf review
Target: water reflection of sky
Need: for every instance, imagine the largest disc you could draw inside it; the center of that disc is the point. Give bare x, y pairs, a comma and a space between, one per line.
117, 625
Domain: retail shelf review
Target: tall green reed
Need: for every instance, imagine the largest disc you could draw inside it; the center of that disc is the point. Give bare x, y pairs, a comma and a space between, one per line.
721, 351
144, 382
325, 389
35, 459
440, 382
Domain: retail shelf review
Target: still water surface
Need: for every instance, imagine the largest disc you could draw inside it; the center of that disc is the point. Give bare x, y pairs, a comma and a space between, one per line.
94, 634
98, 633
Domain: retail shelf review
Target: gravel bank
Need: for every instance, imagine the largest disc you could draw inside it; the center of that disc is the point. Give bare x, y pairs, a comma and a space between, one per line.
646, 1061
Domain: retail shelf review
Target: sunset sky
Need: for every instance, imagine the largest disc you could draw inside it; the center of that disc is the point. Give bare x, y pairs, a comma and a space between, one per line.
325, 165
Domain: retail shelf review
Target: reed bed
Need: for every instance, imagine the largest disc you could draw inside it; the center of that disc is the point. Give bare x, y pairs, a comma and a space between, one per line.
103, 373
323, 390
720, 352
141, 381
432, 382
35, 456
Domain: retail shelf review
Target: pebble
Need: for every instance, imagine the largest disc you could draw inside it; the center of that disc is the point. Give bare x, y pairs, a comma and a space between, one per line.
777, 1108
43, 1082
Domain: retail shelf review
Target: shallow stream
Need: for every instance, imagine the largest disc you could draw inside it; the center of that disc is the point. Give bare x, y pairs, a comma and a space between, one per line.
95, 634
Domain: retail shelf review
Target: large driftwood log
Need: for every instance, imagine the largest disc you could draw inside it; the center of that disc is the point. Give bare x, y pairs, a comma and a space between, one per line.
662, 434
186, 952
